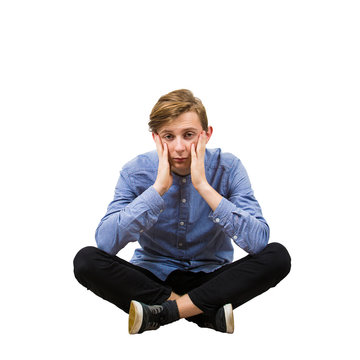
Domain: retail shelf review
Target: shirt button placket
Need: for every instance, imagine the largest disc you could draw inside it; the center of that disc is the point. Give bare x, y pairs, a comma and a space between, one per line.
183, 214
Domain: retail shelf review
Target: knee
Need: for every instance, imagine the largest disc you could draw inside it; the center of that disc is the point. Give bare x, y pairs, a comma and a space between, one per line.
281, 259
83, 261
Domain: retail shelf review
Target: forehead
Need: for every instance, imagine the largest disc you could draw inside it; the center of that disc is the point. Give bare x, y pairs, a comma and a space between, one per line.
188, 120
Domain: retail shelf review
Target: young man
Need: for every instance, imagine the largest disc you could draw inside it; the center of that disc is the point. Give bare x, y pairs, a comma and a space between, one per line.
185, 205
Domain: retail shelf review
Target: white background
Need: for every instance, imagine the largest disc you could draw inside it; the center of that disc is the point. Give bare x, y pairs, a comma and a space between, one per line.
280, 81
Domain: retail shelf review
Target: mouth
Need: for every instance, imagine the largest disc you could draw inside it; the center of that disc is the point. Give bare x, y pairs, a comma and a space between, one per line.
179, 160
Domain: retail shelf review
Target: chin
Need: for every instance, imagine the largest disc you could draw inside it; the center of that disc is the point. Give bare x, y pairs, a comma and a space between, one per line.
181, 170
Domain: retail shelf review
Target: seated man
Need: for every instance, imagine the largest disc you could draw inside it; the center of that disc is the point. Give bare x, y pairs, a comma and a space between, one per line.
185, 205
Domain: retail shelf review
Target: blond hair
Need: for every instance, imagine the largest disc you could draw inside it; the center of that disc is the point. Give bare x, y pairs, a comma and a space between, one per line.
172, 105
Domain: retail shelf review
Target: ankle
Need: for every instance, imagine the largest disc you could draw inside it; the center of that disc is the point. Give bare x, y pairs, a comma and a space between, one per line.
186, 307
170, 312
174, 296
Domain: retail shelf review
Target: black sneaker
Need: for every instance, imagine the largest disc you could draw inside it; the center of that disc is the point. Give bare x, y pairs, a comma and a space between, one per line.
222, 320
150, 317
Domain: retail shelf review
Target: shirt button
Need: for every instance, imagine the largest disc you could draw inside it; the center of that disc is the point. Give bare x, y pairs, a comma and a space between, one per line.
234, 237
180, 244
217, 220
184, 181
183, 200
182, 223
161, 210
141, 230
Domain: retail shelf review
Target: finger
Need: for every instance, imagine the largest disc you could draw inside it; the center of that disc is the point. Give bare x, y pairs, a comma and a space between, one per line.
165, 152
193, 152
159, 147
204, 137
201, 142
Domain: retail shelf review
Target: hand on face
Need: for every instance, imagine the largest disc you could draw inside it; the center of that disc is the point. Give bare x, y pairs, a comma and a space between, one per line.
181, 149
198, 176
164, 177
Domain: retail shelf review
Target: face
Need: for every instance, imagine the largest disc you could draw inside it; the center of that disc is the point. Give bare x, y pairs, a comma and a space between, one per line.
179, 135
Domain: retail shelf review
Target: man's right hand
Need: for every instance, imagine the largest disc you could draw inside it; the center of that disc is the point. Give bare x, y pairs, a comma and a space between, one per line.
164, 178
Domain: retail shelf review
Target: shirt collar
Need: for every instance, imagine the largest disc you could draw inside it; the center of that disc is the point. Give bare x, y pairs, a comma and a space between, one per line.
178, 179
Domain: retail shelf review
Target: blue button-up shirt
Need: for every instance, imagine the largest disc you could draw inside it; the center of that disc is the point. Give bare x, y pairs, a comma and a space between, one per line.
179, 230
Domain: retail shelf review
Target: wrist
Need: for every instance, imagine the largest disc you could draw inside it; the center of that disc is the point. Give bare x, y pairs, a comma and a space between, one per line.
160, 189
202, 186
210, 195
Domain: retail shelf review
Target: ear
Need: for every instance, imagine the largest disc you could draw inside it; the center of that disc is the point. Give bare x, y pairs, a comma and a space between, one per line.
209, 133
153, 135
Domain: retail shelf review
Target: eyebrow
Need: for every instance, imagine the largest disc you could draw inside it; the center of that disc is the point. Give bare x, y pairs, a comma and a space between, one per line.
170, 131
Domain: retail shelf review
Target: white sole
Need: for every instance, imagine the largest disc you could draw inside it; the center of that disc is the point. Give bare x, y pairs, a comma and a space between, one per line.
229, 318
135, 317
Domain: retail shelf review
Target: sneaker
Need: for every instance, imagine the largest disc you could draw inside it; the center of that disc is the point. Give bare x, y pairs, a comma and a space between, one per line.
222, 320
150, 317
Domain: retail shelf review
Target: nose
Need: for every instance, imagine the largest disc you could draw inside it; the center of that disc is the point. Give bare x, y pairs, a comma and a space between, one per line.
179, 145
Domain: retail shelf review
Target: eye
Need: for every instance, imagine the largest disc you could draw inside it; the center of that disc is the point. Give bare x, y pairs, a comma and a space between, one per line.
189, 134
167, 137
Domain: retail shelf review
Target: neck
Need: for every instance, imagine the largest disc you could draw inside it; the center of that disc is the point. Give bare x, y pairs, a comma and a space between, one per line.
184, 172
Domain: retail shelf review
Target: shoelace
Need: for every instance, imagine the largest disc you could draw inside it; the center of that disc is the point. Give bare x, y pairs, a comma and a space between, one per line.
155, 309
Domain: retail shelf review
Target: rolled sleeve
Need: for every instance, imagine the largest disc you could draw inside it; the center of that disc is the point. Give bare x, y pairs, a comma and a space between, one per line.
248, 232
153, 200
222, 212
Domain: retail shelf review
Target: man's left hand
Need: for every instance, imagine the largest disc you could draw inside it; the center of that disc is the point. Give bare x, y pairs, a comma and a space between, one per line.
198, 177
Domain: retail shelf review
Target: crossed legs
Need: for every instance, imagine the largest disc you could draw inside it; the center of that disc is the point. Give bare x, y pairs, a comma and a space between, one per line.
119, 282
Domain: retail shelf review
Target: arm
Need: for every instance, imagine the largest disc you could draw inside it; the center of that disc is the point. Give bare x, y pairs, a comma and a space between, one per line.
240, 215
127, 216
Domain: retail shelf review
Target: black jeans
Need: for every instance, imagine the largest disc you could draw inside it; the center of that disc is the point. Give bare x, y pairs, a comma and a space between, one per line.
119, 282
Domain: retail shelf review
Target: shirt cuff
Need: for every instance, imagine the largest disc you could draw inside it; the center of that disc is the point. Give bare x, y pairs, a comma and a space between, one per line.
222, 212
153, 200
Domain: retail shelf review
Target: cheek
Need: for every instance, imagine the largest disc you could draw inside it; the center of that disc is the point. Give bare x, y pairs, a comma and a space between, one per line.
170, 147
195, 144
188, 146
